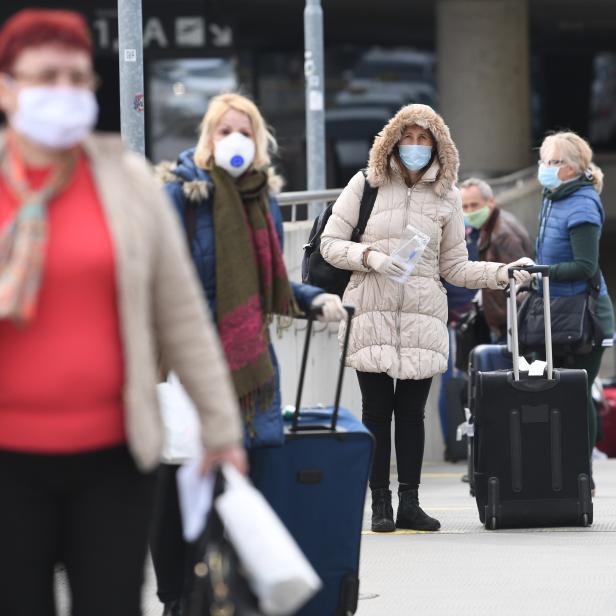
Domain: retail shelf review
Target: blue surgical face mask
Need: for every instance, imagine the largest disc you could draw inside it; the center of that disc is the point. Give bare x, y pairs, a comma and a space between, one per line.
548, 176
415, 157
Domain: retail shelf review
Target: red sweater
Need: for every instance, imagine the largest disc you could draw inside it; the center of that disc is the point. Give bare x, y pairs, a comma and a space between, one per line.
61, 375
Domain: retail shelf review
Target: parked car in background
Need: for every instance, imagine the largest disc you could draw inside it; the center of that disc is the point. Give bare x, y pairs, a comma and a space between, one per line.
404, 75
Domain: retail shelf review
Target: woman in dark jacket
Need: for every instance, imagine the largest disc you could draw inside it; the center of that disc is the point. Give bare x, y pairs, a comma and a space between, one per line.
223, 191
569, 232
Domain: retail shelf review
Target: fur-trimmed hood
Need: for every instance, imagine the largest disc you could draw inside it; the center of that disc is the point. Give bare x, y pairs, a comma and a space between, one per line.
196, 182
380, 161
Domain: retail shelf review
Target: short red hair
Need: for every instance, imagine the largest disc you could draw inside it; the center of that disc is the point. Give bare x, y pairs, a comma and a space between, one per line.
35, 27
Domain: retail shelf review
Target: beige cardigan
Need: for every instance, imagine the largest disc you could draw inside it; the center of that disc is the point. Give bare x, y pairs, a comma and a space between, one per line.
161, 305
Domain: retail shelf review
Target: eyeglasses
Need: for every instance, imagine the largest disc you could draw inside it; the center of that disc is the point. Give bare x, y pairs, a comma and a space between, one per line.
551, 163
53, 77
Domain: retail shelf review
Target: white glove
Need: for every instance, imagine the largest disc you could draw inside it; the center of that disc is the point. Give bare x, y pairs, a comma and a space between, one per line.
520, 276
331, 307
525, 261
384, 264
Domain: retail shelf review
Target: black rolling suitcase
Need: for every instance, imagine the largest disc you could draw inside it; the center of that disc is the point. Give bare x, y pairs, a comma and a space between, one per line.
483, 358
531, 456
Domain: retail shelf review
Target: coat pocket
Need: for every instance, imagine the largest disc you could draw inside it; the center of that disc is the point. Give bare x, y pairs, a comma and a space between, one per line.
357, 278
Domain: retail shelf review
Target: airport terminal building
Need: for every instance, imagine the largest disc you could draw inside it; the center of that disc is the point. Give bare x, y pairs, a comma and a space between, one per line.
501, 72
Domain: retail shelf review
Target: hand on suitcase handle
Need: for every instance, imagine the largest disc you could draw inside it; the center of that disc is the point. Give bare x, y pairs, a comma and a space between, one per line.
531, 269
317, 311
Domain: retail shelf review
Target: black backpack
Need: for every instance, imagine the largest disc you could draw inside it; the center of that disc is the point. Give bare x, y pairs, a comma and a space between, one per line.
316, 270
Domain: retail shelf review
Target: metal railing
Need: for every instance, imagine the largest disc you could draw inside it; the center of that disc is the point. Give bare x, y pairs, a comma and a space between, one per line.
304, 197
513, 180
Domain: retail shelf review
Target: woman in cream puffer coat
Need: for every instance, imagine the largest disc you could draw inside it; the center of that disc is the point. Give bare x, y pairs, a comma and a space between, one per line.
399, 337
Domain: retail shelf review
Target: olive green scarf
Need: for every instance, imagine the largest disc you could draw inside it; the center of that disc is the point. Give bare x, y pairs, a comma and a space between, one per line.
251, 283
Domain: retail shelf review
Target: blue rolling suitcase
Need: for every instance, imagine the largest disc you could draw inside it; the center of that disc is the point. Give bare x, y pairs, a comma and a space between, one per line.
316, 482
531, 453
483, 358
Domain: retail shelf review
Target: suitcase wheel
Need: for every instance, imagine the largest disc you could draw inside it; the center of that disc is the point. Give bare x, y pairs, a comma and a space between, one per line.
585, 521
491, 523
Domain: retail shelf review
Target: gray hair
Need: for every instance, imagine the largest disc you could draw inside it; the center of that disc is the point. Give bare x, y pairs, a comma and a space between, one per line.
483, 186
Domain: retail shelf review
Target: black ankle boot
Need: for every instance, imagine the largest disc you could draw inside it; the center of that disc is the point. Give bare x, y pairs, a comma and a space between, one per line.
382, 512
411, 515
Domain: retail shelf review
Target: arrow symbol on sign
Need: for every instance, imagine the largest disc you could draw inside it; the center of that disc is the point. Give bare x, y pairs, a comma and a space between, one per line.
223, 35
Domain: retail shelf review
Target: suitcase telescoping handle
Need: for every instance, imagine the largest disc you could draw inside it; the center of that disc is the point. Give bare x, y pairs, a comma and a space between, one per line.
312, 314
515, 350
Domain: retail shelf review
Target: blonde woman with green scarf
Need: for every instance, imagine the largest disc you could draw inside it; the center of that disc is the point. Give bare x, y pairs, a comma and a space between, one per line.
223, 190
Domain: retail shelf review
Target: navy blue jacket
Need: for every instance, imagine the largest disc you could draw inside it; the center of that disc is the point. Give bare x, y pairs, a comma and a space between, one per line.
203, 246
197, 181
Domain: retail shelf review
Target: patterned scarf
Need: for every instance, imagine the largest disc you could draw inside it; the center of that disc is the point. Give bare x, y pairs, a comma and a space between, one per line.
251, 284
23, 239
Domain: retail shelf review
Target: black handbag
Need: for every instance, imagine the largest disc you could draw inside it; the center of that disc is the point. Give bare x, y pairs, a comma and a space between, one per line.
575, 329
470, 330
216, 584
316, 270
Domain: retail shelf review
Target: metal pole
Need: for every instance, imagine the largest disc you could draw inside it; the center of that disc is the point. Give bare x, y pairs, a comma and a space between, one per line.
130, 52
315, 107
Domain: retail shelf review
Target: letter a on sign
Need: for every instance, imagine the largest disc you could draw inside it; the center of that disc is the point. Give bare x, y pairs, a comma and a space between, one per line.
154, 31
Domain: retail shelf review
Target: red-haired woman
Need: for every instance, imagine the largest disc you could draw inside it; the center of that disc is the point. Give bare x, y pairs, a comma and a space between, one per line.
94, 276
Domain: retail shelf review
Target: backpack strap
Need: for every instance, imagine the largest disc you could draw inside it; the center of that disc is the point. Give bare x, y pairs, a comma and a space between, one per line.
365, 208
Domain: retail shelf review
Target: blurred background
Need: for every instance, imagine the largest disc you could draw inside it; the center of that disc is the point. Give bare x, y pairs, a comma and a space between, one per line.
501, 72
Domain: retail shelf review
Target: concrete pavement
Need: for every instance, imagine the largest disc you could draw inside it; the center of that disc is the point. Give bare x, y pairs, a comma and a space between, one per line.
464, 570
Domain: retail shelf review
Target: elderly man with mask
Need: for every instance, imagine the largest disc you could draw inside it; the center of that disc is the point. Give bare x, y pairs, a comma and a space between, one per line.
499, 236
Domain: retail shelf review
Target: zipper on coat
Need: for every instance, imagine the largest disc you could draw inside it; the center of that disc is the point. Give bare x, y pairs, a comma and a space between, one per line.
401, 286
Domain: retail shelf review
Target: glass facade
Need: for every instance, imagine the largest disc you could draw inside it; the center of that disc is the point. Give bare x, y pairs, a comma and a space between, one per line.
178, 94
370, 89
364, 87
602, 129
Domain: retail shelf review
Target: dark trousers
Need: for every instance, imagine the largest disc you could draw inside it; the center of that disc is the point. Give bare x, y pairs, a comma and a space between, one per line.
90, 511
591, 362
169, 550
405, 400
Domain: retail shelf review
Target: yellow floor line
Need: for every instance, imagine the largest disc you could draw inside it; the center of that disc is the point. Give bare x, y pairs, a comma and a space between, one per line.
418, 532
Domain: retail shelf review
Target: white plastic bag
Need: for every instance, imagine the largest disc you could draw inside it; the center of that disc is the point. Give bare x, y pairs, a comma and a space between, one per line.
181, 422
278, 572
195, 492
409, 250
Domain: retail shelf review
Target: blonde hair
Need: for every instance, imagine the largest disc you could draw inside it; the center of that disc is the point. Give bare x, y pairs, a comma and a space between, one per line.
265, 143
574, 151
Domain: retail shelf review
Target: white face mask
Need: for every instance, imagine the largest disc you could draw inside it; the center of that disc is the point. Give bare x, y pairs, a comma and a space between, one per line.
56, 117
234, 153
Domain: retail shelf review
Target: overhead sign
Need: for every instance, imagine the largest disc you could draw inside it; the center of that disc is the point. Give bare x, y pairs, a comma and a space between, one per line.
165, 32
